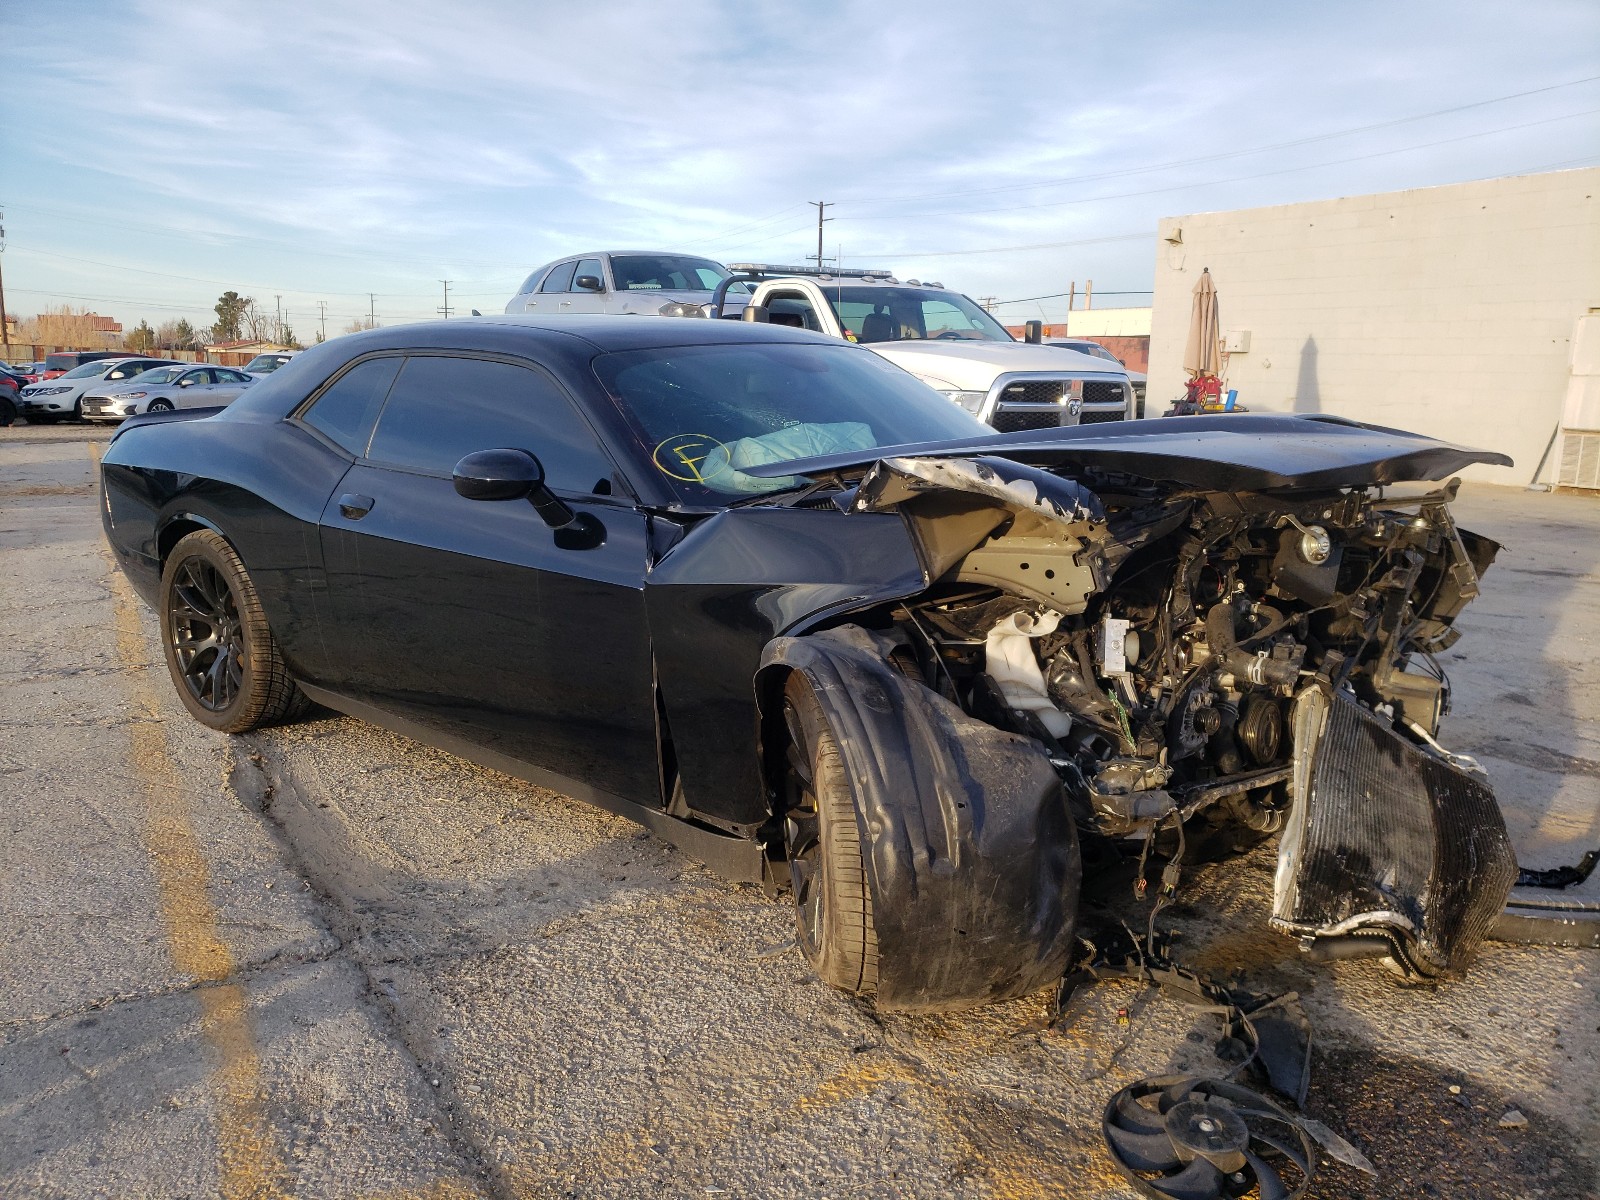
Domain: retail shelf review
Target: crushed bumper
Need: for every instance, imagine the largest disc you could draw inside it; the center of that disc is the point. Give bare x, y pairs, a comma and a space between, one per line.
1389, 851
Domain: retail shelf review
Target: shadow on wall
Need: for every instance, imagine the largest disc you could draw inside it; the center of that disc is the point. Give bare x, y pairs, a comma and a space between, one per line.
1307, 395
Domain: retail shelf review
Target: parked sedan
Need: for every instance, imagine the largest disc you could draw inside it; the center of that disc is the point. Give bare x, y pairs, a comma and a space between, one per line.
164, 389
633, 282
263, 365
761, 591
53, 400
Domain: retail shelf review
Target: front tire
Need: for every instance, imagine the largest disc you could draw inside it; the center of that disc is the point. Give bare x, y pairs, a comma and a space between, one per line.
833, 904
220, 653
160, 406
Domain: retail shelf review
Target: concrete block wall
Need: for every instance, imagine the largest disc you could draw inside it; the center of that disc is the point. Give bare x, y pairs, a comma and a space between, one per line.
1446, 310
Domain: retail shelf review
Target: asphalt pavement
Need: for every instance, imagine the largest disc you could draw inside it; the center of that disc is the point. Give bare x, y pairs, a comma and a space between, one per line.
325, 961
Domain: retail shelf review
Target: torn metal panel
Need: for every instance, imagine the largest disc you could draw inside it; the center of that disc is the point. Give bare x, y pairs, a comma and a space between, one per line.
1388, 850
971, 857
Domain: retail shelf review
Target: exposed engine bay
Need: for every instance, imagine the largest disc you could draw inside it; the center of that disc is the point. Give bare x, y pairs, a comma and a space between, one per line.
1216, 667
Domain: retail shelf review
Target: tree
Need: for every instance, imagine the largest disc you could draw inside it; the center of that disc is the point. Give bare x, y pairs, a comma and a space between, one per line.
286, 338
231, 310
360, 325
175, 335
62, 326
142, 340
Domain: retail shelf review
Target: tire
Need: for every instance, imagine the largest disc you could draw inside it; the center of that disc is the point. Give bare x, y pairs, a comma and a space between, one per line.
833, 904
207, 597
159, 406
8, 411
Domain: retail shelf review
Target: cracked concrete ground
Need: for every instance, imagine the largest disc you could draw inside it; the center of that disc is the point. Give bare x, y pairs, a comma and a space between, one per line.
403, 975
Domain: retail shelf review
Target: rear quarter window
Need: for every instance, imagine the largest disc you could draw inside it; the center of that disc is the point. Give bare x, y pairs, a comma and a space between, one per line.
346, 412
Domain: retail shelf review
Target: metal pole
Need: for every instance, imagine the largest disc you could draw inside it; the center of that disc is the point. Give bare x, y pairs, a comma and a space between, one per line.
820, 206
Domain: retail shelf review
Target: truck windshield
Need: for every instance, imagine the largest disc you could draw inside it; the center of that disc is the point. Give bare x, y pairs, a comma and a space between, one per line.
697, 414
665, 273
893, 314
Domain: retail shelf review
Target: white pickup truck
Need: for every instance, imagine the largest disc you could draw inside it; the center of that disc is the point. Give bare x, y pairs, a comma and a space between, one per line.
941, 337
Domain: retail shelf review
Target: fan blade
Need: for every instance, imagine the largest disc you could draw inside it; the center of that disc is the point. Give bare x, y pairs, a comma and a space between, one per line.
1138, 1118
1268, 1181
1198, 1181
1177, 1093
1294, 1154
1143, 1151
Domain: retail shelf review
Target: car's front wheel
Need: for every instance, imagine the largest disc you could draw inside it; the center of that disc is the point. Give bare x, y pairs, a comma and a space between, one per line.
222, 657
833, 905
160, 406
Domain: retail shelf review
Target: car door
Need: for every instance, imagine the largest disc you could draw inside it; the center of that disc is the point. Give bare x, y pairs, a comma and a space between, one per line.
472, 618
192, 389
552, 299
228, 384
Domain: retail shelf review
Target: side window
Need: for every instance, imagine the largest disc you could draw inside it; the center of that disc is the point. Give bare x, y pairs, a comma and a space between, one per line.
195, 378
346, 411
793, 309
559, 279
442, 409
589, 266
121, 372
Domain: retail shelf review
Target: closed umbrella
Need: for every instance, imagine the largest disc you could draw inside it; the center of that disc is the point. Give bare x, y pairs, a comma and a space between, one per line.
1201, 355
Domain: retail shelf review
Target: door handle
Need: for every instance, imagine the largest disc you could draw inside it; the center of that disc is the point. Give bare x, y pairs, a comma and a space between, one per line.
355, 507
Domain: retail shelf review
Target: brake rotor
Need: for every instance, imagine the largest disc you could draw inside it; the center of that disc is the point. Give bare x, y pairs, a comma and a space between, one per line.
1180, 1137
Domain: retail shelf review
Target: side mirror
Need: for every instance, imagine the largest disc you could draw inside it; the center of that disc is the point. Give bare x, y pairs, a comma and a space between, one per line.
588, 283
756, 312
185, 383
1033, 332
511, 475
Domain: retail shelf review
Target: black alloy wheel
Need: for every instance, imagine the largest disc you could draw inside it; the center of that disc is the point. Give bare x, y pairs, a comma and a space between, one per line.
833, 903
220, 653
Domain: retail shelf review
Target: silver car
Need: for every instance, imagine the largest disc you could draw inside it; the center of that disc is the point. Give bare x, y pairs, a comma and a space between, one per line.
52, 400
621, 281
182, 385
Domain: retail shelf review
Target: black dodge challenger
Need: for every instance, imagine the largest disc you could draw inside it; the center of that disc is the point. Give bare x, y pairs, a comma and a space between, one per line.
771, 597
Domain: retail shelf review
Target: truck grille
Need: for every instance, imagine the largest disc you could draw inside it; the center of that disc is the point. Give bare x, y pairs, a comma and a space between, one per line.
1103, 392
1094, 418
1034, 391
1015, 420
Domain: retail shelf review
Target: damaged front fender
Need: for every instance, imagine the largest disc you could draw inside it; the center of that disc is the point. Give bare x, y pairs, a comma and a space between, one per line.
971, 857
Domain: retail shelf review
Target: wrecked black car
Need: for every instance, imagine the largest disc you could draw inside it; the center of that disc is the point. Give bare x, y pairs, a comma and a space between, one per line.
771, 597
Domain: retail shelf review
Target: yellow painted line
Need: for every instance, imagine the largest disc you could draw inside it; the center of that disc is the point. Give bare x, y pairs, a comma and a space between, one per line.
250, 1163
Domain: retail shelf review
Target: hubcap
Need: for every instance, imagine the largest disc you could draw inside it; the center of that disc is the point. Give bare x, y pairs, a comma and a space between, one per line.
206, 639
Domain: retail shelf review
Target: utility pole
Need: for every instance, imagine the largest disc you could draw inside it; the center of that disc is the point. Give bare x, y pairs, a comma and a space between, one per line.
1088, 295
323, 305
446, 309
372, 310
820, 206
988, 303
5, 327
277, 330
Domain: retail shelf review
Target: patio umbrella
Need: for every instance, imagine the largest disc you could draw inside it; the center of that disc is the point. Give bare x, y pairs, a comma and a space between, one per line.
1200, 354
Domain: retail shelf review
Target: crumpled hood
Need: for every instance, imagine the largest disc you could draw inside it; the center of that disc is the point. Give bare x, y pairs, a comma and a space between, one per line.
1238, 452
972, 366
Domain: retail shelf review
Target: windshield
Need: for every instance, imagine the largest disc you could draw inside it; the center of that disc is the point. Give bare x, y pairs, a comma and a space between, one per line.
156, 375
698, 414
892, 314
263, 364
665, 273
90, 370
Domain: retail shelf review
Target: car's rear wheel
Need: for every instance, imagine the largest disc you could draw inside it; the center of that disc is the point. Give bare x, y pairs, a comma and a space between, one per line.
222, 657
160, 406
8, 411
833, 905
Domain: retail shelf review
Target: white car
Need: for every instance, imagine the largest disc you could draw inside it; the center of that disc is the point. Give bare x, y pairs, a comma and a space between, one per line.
263, 365
52, 400
164, 389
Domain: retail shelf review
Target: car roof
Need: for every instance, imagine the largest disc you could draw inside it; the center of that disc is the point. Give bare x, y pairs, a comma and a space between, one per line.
604, 333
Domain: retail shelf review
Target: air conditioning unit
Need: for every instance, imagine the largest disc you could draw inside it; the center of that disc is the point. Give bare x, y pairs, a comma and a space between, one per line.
1580, 459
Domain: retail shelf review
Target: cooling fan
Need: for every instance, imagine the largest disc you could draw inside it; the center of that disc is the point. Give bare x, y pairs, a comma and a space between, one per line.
1180, 1137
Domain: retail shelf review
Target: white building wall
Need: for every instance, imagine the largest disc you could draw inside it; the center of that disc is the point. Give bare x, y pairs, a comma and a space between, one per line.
1446, 310
1109, 322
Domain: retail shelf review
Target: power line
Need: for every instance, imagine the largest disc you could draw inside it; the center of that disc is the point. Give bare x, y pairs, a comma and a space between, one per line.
1187, 162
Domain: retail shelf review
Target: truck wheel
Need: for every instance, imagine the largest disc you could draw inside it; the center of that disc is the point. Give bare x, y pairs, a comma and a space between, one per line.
222, 657
833, 906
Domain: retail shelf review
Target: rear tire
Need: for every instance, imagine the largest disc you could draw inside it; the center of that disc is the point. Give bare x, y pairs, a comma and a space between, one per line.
220, 653
833, 904
8, 411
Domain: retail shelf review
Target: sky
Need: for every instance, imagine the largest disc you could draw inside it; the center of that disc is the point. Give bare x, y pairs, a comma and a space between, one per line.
353, 154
